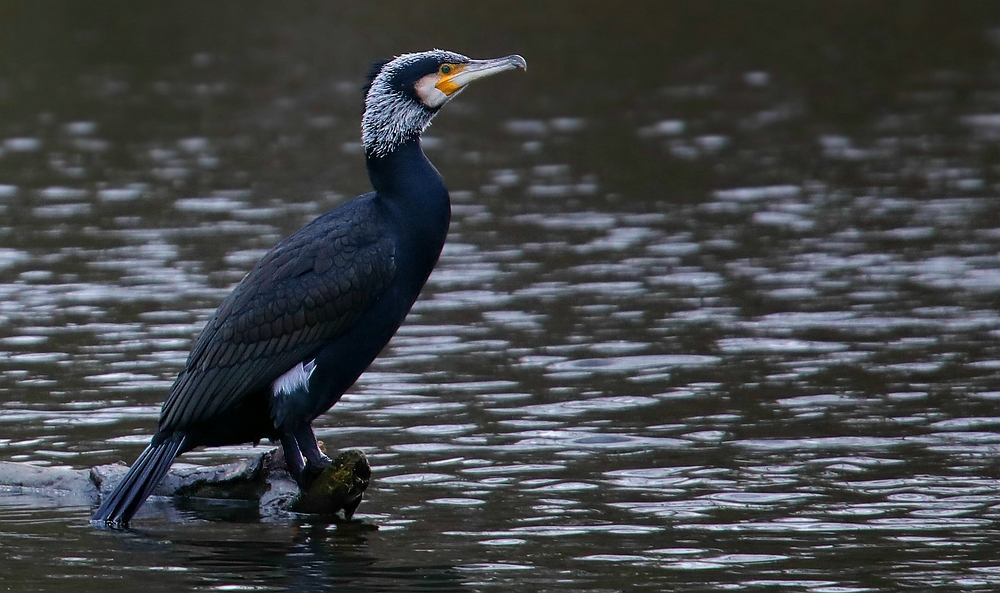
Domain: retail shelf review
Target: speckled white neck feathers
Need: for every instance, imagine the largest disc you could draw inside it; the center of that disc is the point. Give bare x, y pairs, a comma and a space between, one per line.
391, 117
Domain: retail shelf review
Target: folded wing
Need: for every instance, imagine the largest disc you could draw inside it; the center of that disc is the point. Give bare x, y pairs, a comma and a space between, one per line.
306, 291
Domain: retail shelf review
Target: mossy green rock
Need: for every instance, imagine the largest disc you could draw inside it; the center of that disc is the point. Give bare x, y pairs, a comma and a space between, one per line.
341, 486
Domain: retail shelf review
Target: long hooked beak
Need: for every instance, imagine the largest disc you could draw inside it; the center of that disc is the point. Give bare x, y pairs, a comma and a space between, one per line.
477, 69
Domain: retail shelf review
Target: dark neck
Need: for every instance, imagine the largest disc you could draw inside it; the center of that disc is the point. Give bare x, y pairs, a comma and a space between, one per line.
405, 173
412, 188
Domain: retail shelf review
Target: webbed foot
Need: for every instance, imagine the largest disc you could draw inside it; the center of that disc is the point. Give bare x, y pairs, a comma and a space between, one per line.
313, 468
314, 454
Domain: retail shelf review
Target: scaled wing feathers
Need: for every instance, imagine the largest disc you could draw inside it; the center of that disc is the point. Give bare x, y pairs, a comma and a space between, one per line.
308, 289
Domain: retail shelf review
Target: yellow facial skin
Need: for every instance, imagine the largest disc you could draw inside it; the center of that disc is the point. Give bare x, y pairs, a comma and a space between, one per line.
438, 88
447, 83
454, 77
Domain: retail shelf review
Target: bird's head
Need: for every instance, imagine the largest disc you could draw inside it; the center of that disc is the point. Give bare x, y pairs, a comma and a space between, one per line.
404, 94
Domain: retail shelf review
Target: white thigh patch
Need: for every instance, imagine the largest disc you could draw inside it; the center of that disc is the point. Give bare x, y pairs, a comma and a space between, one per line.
294, 380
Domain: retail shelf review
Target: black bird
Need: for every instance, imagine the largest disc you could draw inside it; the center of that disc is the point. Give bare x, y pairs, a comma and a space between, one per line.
304, 324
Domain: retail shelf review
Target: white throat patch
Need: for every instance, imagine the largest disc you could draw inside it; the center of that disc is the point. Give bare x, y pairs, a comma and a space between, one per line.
429, 94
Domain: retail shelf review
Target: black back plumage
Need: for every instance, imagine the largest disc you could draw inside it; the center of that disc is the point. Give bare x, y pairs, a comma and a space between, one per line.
305, 292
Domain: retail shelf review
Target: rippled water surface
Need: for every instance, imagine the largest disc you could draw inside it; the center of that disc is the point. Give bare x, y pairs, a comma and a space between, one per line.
718, 311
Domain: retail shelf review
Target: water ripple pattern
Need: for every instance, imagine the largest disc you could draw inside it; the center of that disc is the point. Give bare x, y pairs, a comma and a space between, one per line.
707, 328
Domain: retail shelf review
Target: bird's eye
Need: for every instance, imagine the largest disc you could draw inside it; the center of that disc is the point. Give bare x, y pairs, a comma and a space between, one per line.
445, 69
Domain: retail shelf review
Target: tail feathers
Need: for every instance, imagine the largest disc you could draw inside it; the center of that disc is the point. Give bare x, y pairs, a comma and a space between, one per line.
118, 507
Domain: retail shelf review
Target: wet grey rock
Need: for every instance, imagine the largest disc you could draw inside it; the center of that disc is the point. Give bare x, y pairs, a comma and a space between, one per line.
71, 487
263, 479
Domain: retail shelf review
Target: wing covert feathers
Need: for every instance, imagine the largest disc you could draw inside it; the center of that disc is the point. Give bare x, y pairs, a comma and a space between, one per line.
307, 290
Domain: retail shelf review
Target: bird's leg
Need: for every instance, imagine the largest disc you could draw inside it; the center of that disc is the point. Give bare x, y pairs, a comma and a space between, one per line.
306, 440
293, 456
316, 461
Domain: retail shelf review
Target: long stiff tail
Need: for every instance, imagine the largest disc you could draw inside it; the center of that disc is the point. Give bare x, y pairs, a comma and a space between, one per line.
142, 478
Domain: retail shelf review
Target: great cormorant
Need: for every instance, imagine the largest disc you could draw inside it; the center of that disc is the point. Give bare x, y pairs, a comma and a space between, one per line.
304, 324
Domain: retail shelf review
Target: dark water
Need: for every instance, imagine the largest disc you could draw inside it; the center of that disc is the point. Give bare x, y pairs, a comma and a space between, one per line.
719, 309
